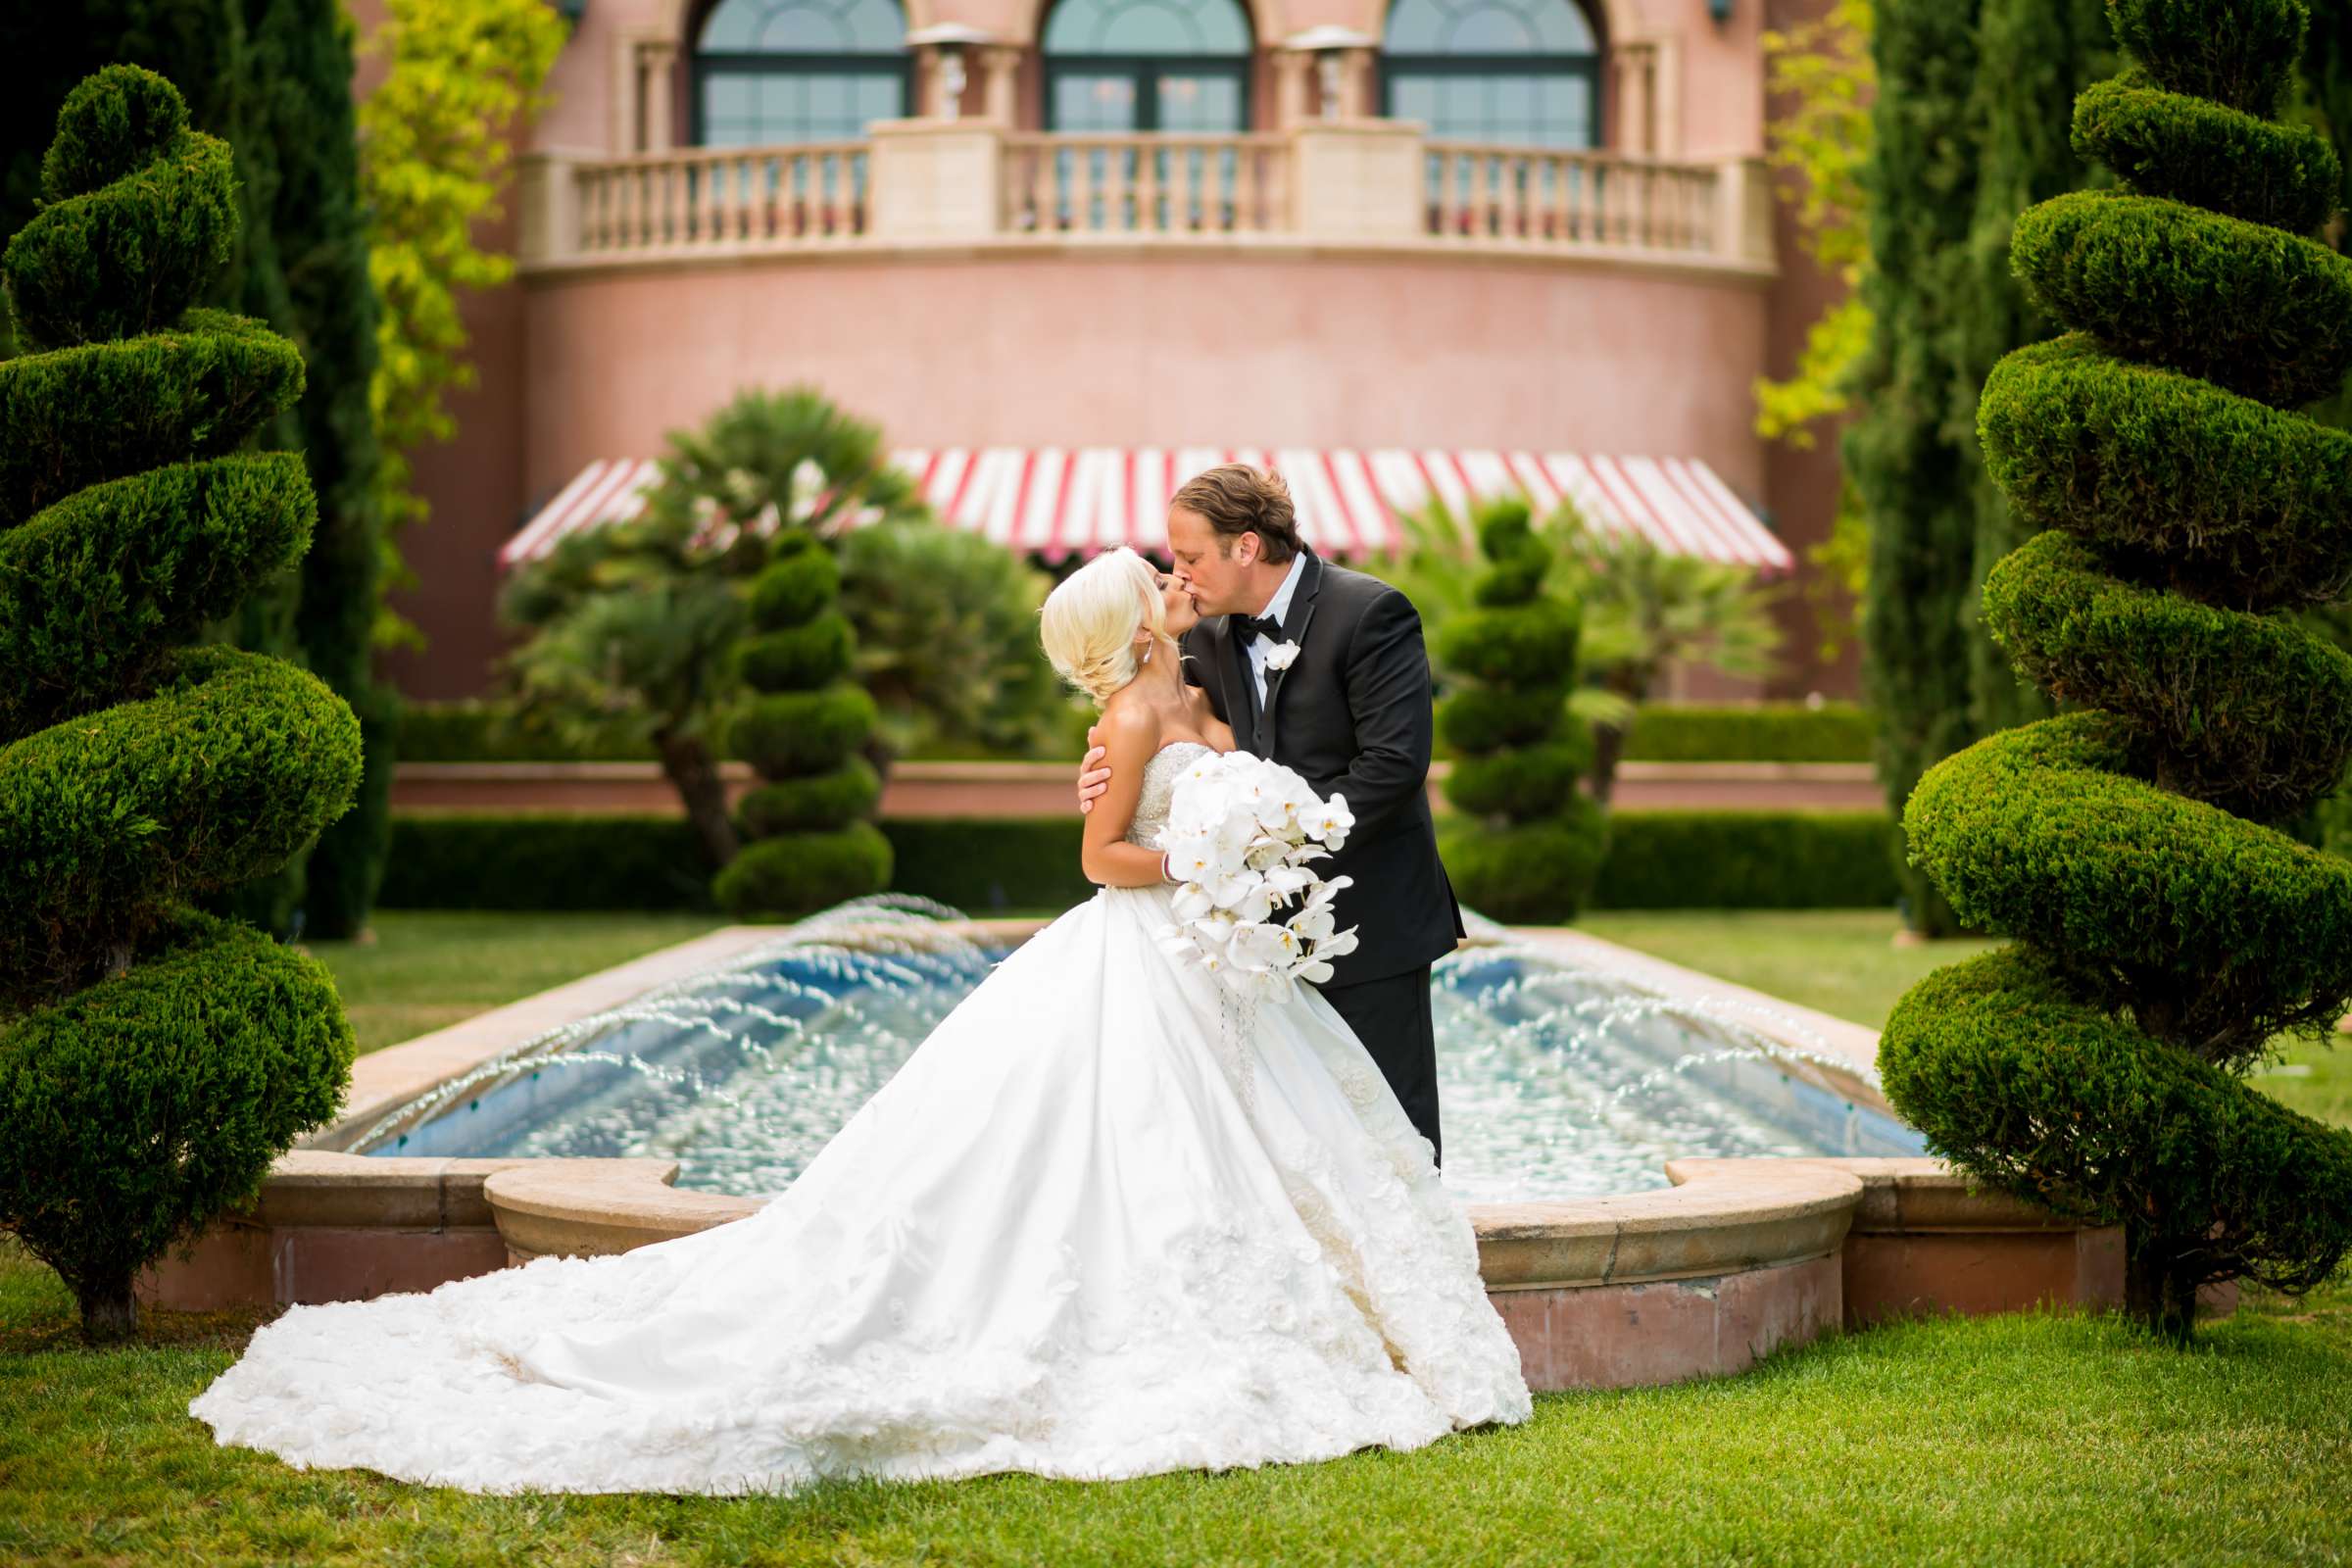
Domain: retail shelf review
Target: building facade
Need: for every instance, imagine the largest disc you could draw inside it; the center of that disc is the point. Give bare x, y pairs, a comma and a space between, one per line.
1533, 226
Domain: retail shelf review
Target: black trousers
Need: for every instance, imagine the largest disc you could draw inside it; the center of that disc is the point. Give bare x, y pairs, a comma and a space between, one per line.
1391, 1016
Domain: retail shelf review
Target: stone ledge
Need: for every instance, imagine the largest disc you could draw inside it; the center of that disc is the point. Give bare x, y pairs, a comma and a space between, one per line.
592, 1207
1723, 1216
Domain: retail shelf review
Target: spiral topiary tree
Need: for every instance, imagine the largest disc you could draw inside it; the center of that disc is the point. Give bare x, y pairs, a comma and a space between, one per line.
152, 1060
2167, 930
809, 843
1529, 842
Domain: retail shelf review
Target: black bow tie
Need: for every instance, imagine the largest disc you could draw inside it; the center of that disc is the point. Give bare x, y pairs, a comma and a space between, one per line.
1250, 627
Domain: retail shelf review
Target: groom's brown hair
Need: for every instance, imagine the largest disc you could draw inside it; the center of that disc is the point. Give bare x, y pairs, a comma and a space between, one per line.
1235, 499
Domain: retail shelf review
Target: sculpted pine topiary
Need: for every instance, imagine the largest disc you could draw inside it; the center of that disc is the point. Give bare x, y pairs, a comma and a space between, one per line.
1531, 841
810, 843
152, 1060
2167, 931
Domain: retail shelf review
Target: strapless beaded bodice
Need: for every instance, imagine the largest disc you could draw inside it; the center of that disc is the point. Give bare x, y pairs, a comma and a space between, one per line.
1160, 775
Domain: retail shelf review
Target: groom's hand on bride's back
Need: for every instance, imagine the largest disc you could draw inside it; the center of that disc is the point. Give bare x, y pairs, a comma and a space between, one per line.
1093, 777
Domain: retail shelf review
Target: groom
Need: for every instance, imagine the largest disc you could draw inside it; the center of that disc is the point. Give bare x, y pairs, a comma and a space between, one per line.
1322, 670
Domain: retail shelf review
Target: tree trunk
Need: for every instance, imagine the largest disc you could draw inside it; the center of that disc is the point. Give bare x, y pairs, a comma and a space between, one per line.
694, 774
110, 1313
1608, 745
2159, 1289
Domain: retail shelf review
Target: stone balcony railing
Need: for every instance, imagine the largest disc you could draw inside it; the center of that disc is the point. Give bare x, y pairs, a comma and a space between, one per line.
1376, 184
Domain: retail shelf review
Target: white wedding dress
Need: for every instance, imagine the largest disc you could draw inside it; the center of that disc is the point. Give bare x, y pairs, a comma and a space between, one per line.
1106, 1222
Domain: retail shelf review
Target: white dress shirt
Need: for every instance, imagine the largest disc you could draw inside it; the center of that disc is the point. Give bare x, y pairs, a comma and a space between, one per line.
1278, 610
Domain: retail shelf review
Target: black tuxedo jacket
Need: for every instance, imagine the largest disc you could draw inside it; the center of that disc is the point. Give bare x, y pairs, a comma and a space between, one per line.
1351, 715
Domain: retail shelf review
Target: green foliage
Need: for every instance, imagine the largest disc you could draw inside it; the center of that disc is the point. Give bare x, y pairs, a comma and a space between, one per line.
122, 259
151, 1061
785, 734
1655, 860
2034, 57
803, 733
946, 640
1908, 468
1822, 71
2251, 503
2051, 1096
814, 653
2195, 151
1747, 861
2168, 935
135, 1110
545, 860
1646, 611
459, 75
96, 589
2250, 713
1534, 841
813, 801
476, 860
1756, 732
800, 872
2238, 52
300, 70
2255, 309
70, 417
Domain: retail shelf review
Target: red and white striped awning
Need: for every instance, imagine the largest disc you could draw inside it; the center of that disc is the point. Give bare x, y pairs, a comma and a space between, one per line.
1057, 502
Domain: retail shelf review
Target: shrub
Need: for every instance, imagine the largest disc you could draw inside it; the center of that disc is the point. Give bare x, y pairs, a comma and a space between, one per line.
2164, 939
1747, 861
2244, 500
811, 849
153, 1061
2205, 153
804, 870
1535, 842
1756, 732
813, 801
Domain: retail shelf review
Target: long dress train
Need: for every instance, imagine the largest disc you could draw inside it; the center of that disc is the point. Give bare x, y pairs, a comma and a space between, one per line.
1105, 1221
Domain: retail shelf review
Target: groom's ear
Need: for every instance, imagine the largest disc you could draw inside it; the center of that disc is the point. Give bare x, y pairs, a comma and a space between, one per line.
1247, 546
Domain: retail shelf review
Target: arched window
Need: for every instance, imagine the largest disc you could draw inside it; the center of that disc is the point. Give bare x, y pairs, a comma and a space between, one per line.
1520, 71
772, 73
1147, 65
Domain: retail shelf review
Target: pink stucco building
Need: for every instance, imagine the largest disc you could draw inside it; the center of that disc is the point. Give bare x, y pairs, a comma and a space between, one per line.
1527, 227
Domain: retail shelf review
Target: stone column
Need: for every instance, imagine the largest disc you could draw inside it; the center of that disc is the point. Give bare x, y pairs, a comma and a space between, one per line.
1291, 68
1743, 212
659, 60
937, 180
1632, 63
547, 206
1001, 69
1356, 180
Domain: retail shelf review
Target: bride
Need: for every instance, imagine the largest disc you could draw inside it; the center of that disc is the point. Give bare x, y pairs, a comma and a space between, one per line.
1106, 1222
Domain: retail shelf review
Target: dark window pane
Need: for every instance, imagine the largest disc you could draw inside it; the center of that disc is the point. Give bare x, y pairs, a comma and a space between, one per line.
1489, 27
804, 26
1147, 27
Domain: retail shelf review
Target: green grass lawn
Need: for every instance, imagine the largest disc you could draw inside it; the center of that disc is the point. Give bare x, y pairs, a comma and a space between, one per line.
429, 969
2033, 1439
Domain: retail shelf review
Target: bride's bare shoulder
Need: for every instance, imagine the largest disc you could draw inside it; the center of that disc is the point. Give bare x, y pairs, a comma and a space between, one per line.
1128, 722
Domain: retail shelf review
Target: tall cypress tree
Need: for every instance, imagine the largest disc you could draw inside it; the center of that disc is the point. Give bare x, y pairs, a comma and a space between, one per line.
2033, 56
301, 62
1906, 459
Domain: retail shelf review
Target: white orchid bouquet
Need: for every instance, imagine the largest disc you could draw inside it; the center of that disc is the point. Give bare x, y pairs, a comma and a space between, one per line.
1241, 834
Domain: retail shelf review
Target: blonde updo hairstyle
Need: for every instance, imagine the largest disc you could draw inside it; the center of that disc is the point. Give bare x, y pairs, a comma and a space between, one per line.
1089, 623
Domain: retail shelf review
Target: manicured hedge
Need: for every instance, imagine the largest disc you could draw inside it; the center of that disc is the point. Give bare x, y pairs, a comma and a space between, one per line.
1747, 861
1656, 861
487, 731
1761, 732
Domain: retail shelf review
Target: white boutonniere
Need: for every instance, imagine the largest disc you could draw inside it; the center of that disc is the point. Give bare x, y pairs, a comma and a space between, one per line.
1281, 654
